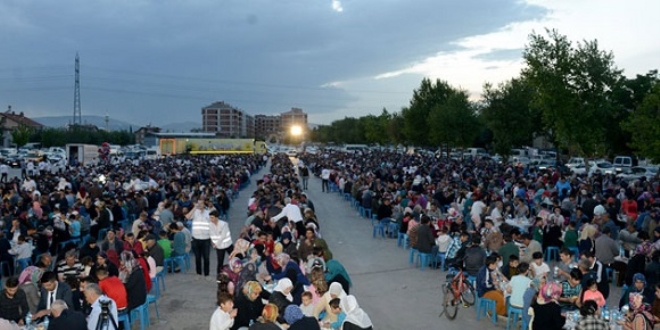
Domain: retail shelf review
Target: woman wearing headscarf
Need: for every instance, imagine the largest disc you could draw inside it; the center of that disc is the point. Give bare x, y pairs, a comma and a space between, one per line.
287, 244
587, 242
268, 319
296, 320
356, 318
335, 291
638, 317
131, 274
249, 304
281, 295
241, 248
233, 269
547, 312
28, 281
639, 285
289, 269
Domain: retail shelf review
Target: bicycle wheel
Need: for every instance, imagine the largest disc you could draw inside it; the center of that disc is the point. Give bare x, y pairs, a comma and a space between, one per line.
445, 292
450, 304
468, 295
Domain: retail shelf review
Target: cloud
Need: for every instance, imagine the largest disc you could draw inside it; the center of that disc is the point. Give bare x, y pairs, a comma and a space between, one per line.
336, 6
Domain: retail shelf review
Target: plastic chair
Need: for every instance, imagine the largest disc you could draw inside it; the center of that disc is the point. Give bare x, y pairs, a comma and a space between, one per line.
155, 288
411, 257
141, 313
551, 253
22, 264
124, 317
378, 228
367, 213
424, 259
102, 234
401, 240
485, 305
172, 262
151, 299
186, 258
347, 197
610, 274
361, 211
161, 277
393, 228
513, 313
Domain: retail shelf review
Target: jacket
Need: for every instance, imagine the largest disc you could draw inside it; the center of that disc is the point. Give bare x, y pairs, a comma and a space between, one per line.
425, 239
68, 320
136, 289
247, 310
63, 293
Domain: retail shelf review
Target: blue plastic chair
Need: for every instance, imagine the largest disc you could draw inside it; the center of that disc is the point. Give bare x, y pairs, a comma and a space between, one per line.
411, 257
347, 197
124, 317
22, 264
172, 262
402, 240
513, 313
161, 277
378, 228
485, 305
424, 259
102, 234
151, 299
367, 213
141, 314
441, 257
576, 253
551, 253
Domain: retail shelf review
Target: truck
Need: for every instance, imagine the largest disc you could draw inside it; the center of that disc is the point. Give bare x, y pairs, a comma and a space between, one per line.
83, 154
206, 146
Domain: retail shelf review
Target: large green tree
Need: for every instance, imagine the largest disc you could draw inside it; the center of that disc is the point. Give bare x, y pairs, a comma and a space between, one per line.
571, 89
644, 126
425, 99
508, 114
453, 120
20, 135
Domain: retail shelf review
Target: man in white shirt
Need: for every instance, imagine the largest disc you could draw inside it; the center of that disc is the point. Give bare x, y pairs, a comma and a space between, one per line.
220, 238
201, 237
94, 296
292, 212
325, 177
4, 170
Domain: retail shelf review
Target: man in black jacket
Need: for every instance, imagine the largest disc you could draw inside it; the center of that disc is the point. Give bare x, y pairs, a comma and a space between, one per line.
51, 290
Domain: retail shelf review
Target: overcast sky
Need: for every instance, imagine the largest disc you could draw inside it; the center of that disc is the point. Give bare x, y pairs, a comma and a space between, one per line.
160, 62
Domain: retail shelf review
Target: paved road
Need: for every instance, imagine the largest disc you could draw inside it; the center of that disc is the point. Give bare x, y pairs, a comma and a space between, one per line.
395, 295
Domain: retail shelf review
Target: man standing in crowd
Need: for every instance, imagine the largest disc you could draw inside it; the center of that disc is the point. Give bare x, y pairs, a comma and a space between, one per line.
201, 242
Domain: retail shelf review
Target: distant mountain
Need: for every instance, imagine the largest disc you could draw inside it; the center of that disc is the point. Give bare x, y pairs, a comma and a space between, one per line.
99, 121
184, 127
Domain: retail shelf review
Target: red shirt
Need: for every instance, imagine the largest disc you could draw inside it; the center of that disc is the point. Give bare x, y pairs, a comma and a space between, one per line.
115, 289
145, 271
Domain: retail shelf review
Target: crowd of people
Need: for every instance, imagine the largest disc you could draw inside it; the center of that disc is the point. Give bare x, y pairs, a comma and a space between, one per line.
540, 240
85, 238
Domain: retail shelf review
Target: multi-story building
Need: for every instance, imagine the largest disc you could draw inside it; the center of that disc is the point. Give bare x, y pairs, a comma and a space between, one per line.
227, 121
295, 117
266, 125
10, 121
142, 132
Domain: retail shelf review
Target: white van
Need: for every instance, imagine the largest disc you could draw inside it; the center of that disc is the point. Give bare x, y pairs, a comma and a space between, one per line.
575, 161
476, 152
623, 162
355, 147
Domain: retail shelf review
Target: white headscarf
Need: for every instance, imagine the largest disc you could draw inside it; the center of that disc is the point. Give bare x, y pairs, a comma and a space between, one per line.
355, 315
336, 289
282, 285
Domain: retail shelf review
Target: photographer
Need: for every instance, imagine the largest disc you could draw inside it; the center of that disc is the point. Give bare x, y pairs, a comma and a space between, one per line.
99, 301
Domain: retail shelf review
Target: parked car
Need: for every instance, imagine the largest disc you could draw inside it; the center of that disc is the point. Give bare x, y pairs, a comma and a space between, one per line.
637, 172
579, 169
601, 168
574, 161
292, 152
544, 164
623, 162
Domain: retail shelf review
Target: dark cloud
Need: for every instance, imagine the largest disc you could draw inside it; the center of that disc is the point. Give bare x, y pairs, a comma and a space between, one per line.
160, 62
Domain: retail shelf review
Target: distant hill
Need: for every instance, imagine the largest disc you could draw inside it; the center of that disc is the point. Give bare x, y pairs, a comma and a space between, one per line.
184, 127
99, 121
114, 124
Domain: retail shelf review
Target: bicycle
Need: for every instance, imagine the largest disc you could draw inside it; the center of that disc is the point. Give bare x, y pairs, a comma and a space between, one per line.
457, 291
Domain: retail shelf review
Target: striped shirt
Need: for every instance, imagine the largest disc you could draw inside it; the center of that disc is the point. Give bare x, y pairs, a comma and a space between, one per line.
65, 270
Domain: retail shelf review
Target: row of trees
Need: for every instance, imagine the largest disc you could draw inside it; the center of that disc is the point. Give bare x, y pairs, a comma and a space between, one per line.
50, 137
571, 94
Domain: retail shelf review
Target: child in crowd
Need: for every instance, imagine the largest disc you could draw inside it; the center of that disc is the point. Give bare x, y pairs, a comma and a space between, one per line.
87, 263
22, 250
307, 305
518, 285
571, 236
537, 231
511, 269
223, 317
443, 240
565, 265
539, 268
335, 308
592, 293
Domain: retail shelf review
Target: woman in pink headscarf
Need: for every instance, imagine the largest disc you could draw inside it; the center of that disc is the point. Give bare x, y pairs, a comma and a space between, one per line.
638, 317
36, 210
547, 312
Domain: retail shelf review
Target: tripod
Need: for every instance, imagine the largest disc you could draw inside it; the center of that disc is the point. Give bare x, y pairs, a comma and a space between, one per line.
105, 318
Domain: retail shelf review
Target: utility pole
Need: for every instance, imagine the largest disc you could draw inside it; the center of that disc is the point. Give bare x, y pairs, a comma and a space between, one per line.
77, 113
107, 122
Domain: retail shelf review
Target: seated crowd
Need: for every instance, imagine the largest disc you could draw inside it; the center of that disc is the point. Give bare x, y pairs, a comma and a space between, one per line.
280, 272
506, 225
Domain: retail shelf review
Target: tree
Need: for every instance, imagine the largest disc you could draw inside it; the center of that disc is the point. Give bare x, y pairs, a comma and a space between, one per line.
508, 115
644, 126
571, 89
453, 121
426, 98
21, 134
